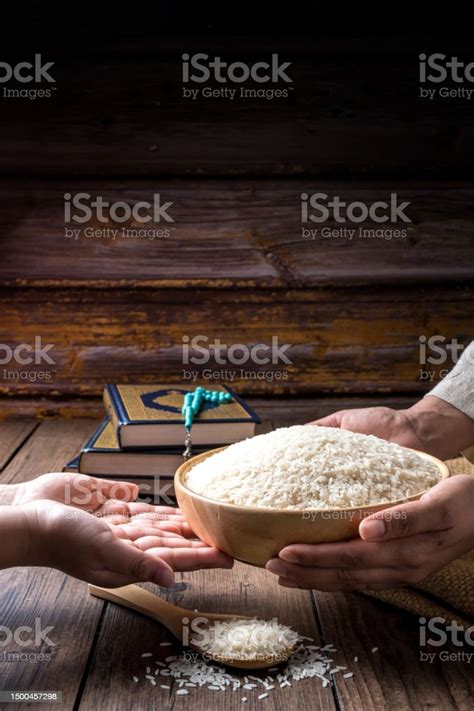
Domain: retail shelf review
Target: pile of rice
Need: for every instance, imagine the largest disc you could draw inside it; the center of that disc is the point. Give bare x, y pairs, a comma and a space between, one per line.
186, 673
304, 467
251, 639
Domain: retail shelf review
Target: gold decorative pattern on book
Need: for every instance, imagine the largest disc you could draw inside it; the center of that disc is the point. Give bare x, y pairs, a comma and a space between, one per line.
137, 410
107, 438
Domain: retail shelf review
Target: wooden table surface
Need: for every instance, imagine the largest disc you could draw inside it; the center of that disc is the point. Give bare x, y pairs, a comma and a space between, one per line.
98, 646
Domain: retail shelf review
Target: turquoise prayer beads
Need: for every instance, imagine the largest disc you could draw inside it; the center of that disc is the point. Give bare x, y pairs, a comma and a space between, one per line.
193, 402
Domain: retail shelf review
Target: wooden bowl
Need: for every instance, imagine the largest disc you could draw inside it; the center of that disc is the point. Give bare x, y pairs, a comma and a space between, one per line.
254, 535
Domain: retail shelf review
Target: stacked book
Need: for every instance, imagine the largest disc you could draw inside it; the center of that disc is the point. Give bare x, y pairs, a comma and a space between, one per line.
142, 436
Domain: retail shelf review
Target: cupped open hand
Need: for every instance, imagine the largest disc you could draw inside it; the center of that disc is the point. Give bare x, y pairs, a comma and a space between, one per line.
113, 554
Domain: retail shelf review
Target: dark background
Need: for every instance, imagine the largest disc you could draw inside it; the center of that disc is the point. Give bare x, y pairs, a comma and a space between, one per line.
236, 266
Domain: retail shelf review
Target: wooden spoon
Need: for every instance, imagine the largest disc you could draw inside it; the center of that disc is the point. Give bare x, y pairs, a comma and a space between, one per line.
171, 616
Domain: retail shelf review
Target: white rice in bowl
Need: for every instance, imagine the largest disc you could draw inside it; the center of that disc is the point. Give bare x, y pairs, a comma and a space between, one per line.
304, 467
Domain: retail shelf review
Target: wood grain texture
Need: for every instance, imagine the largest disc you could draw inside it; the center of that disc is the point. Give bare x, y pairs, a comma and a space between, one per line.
299, 411
125, 636
235, 268
292, 410
393, 676
60, 602
13, 434
51, 446
44, 408
126, 114
342, 341
235, 234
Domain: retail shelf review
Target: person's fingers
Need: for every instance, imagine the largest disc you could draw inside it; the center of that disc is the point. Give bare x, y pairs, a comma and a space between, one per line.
187, 559
177, 523
348, 554
111, 507
107, 488
116, 512
158, 512
81, 491
123, 508
155, 513
137, 565
339, 578
163, 511
133, 533
167, 541
415, 553
333, 420
90, 493
120, 490
180, 529
136, 529
433, 512
121, 532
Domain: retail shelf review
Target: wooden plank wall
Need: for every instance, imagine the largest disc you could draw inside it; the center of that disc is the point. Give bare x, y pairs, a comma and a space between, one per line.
235, 265
353, 109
